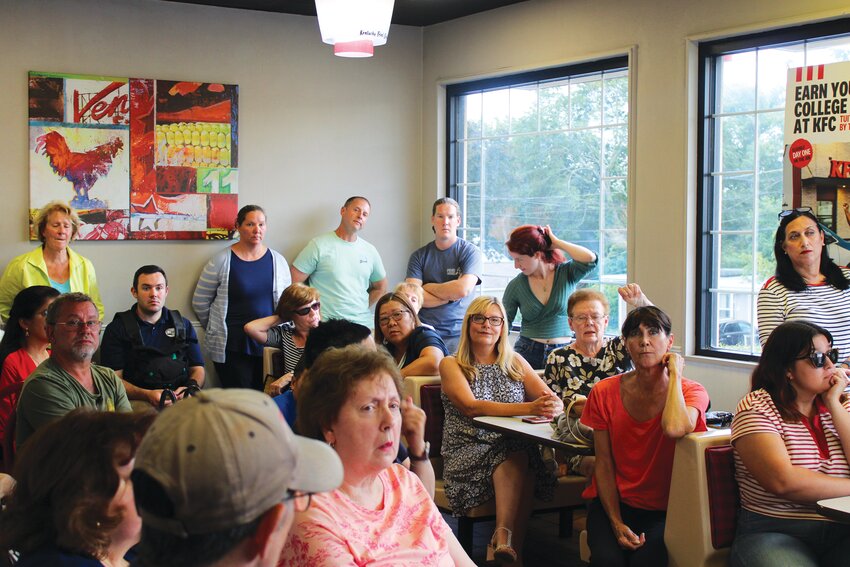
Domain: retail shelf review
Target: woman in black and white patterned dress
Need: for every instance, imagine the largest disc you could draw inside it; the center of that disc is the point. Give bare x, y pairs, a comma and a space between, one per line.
573, 370
487, 378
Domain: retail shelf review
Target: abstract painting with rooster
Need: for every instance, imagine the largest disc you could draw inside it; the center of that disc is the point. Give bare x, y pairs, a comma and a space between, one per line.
138, 159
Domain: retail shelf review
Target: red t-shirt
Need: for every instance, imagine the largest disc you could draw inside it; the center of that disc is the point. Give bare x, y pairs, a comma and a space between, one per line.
642, 454
17, 366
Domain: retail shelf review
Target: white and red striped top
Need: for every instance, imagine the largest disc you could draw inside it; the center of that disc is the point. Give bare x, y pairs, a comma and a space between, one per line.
757, 413
821, 304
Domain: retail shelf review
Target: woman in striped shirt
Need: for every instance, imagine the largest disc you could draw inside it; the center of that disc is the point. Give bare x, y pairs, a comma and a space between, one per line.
791, 436
807, 284
298, 312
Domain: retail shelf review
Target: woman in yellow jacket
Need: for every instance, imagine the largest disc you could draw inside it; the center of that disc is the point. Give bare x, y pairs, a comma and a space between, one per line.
53, 263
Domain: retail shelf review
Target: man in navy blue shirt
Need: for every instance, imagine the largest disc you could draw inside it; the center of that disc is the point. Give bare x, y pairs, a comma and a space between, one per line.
151, 347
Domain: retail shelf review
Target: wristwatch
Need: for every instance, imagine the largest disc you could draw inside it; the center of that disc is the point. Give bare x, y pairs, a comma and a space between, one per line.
423, 456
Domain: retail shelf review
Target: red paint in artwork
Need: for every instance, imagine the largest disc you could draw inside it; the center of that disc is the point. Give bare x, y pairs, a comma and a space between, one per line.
175, 179
82, 169
221, 210
218, 112
142, 136
97, 108
183, 88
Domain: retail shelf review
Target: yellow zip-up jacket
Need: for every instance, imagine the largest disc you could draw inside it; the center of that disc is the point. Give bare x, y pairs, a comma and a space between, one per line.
30, 269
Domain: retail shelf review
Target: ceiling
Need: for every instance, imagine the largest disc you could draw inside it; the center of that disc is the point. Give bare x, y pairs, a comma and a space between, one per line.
406, 12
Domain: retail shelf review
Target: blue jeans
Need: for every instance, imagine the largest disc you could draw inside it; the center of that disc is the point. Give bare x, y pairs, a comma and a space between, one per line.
762, 541
535, 353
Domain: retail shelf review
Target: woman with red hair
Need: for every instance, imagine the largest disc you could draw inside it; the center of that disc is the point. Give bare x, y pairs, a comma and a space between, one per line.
541, 291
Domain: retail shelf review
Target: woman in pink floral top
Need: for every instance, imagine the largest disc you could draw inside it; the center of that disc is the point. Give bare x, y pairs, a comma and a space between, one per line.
381, 514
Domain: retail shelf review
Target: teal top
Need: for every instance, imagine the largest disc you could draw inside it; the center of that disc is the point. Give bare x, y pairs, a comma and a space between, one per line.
547, 321
60, 287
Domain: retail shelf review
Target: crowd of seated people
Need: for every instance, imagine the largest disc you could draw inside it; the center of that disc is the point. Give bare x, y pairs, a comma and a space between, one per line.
341, 385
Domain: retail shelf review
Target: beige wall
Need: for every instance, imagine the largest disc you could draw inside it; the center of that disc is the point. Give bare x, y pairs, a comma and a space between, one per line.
542, 33
314, 128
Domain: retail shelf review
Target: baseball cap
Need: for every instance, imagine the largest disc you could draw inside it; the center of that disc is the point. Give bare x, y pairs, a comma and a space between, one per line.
223, 458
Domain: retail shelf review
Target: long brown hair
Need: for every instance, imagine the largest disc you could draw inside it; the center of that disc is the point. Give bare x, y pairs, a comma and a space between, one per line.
788, 343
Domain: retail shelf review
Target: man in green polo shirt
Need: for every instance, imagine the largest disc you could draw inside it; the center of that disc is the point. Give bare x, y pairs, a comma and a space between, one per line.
68, 379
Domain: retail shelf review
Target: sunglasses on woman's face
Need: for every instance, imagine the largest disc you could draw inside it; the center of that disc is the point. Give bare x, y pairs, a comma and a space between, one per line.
818, 359
305, 310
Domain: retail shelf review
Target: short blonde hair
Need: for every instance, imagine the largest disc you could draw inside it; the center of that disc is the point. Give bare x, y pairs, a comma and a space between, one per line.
506, 359
410, 288
56, 207
587, 294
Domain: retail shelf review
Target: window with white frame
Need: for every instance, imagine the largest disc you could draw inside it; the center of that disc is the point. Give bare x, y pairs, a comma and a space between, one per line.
742, 108
548, 147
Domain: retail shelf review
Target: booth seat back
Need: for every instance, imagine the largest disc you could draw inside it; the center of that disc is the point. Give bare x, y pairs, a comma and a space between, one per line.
425, 391
273, 361
703, 501
723, 497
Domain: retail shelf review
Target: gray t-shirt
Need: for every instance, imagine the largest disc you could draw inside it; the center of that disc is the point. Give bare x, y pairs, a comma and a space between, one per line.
432, 265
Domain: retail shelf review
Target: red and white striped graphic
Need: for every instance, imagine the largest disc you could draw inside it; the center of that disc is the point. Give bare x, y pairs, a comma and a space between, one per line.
810, 73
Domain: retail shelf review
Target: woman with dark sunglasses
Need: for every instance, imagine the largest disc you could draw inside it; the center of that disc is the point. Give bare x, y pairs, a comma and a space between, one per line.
807, 284
298, 312
791, 436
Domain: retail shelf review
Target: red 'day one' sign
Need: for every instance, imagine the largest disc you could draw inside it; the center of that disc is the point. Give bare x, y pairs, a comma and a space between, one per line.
800, 153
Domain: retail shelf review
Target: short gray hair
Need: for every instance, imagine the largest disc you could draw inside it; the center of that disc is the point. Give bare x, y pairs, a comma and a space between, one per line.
73, 297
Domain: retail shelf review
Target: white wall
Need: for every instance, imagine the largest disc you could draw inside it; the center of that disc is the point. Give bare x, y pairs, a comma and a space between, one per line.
314, 128
542, 33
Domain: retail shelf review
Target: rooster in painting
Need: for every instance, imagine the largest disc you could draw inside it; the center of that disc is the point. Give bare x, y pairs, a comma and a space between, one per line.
82, 169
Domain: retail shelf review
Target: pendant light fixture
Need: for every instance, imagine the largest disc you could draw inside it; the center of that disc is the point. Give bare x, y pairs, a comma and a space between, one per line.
354, 27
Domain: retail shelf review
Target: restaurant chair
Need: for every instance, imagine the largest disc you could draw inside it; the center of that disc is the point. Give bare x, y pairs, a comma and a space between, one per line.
425, 391
272, 364
703, 504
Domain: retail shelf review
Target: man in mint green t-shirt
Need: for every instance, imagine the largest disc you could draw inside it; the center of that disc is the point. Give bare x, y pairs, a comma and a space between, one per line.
68, 379
346, 269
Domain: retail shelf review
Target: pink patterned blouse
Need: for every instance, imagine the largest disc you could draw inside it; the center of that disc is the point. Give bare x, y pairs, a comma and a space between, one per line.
407, 529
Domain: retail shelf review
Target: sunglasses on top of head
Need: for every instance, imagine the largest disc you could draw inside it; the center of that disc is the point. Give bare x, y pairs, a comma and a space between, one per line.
785, 212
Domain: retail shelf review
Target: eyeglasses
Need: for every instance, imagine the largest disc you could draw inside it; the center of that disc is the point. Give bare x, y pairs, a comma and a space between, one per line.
395, 316
584, 319
305, 310
818, 359
798, 210
494, 321
77, 326
300, 500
